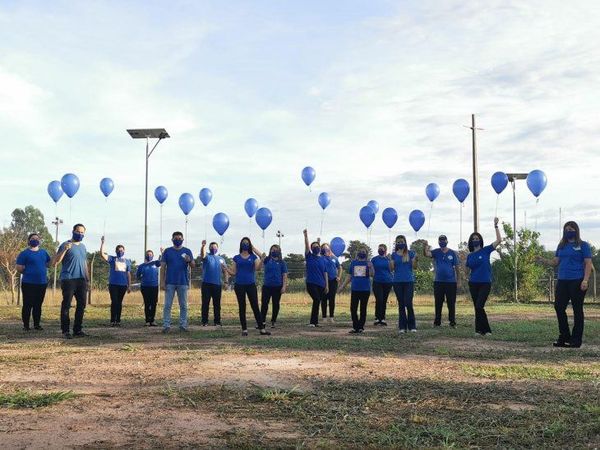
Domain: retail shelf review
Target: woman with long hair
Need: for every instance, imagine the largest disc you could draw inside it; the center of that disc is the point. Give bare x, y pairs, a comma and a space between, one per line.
403, 263
274, 284
317, 280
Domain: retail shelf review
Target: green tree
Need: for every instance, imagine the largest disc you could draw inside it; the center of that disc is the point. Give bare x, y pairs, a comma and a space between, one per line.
351, 252
424, 269
295, 265
31, 220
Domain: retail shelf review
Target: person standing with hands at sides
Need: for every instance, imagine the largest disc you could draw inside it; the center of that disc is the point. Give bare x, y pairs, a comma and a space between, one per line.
444, 284
403, 263
360, 272
382, 283
147, 273
73, 281
480, 279
574, 260
334, 273
275, 283
176, 262
213, 266
245, 265
32, 264
317, 280
119, 280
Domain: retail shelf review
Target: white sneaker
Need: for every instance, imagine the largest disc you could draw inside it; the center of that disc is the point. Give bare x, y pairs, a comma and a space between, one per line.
401, 331
331, 320
414, 330
311, 325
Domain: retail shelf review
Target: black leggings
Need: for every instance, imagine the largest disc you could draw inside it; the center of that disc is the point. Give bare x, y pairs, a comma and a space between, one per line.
150, 295
75, 287
269, 292
405, 291
444, 290
117, 293
359, 298
569, 290
241, 290
381, 291
329, 298
480, 293
208, 291
33, 297
316, 292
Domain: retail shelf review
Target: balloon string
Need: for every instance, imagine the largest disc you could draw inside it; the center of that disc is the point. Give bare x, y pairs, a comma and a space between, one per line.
70, 209
537, 201
105, 214
322, 219
250, 227
497, 201
161, 225
186, 224
461, 231
429, 221
205, 224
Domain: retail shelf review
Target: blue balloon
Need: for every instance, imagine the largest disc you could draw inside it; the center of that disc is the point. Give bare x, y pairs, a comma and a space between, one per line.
205, 196
416, 218
251, 206
186, 203
161, 194
220, 223
374, 205
324, 200
106, 186
432, 191
308, 175
337, 246
55, 190
264, 218
367, 215
390, 217
536, 182
499, 181
70, 184
461, 189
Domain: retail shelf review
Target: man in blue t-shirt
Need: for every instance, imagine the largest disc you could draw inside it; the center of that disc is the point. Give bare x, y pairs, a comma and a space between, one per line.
213, 266
176, 263
73, 280
444, 284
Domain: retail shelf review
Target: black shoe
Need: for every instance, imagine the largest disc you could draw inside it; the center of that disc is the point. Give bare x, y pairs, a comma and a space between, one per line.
26, 329
151, 324
436, 325
118, 324
113, 324
80, 334
38, 328
204, 324
383, 323
244, 333
67, 335
272, 324
361, 330
560, 343
353, 331
575, 345
376, 323
264, 332
452, 324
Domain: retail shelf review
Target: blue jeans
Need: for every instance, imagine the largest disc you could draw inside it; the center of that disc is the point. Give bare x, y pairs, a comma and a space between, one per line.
404, 293
182, 293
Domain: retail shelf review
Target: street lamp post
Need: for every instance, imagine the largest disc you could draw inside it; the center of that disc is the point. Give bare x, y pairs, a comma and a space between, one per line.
513, 177
57, 222
279, 236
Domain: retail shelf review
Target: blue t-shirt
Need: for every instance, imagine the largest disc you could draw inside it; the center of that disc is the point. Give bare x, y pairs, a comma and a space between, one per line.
571, 260
274, 270
315, 269
74, 262
444, 264
244, 269
119, 268
212, 267
381, 266
403, 271
331, 266
177, 268
147, 273
35, 263
479, 263
359, 271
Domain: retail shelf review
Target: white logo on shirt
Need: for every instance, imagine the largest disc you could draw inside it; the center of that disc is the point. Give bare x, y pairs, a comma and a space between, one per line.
360, 271
120, 266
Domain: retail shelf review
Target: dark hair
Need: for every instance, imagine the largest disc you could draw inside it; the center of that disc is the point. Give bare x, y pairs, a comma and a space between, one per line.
470, 241
382, 245
212, 244
149, 250
118, 247
313, 243
177, 233
274, 246
249, 242
33, 234
362, 248
78, 225
563, 240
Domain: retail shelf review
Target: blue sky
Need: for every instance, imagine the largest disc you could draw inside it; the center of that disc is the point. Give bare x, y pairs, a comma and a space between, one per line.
372, 94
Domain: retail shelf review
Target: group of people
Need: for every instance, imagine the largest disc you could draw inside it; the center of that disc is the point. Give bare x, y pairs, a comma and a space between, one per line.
380, 274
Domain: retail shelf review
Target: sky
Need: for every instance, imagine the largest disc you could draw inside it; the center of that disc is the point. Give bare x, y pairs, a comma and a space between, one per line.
375, 95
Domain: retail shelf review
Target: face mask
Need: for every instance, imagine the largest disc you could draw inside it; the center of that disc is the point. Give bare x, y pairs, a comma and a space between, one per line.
400, 246
120, 254
570, 234
177, 242
77, 237
381, 252
323, 252
275, 254
316, 250
362, 255
149, 258
245, 246
476, 244
213, 250
34, 242
443, 244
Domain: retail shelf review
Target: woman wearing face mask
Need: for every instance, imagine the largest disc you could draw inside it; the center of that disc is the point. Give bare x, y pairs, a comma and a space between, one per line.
213, 266
244, 268
147, 273
480, 279
317, 280
119, 280
360, 271
275, 283
403, 263
334, 271
382, 283
32, 264
574, 260
444, 284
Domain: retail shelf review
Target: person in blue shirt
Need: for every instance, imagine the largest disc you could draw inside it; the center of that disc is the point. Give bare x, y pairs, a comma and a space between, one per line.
274, 284
213, 266
382, 283
74, 279
444, 284
480, 278
119, 280
334, 273
147, 274
317, 280
176, 262
402, 264
32, 264
574, 260
360, 271
245, 265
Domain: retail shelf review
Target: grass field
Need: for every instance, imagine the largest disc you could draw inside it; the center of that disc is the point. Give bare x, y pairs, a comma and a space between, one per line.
300, 387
